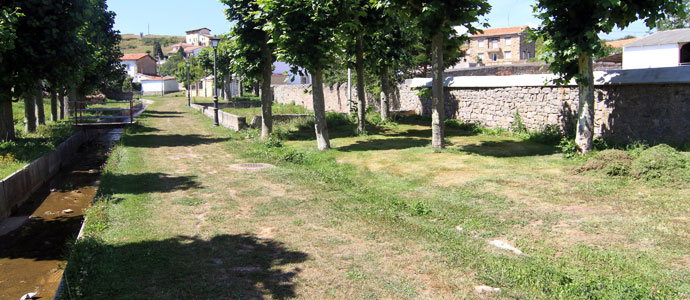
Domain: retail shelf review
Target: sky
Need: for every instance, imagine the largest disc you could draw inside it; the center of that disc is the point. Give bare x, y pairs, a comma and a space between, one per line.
174, 17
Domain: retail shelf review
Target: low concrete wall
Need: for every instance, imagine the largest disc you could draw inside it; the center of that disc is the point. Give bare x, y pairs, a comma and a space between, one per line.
239, 104
17, 187
226, 120
256, 121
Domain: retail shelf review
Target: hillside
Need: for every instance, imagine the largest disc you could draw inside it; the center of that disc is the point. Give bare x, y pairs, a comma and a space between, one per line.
132, 43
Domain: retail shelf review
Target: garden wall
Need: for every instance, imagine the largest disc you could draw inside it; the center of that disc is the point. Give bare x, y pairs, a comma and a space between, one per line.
630, 105
16, 188
300, 94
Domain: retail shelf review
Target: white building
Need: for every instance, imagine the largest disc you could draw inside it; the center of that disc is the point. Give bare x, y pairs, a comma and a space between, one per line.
138, 65
669, 48
199, 37
155, 85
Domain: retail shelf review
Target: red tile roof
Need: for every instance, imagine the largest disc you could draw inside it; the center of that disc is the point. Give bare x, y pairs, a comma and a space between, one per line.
501, 31
197, 29
135, 56
620, 43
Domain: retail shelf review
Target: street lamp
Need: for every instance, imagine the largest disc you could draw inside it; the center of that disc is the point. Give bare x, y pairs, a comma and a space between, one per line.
189, 93
214, 43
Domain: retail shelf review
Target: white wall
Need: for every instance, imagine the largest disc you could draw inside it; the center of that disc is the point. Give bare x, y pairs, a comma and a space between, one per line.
154, 87
130, 67
651, 57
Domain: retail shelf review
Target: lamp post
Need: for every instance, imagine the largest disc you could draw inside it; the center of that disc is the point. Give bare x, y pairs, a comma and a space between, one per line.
189, 93
214, 43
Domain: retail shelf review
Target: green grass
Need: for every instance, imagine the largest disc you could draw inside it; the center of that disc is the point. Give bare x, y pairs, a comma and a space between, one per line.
29, 146
393, 178
585, 236
277, 108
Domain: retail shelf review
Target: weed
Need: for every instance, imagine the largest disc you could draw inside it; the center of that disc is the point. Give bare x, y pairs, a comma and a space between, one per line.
516, 126
568, 147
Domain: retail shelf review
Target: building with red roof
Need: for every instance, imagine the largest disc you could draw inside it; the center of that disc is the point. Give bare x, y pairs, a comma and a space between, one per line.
137, 64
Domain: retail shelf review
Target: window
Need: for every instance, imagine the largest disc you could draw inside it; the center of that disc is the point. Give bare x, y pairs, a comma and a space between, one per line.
495, 44
507, 55
481, 43
508, 41
494, 57
469, 51
481, 56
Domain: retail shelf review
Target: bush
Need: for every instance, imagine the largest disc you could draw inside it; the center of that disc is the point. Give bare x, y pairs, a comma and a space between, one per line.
568, 147
549, 135
468, 127
660, 162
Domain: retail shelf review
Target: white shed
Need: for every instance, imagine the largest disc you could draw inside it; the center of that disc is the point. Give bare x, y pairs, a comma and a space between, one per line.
154, 85
669, 48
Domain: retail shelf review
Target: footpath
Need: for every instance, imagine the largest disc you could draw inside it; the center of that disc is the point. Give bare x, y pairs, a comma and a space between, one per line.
185, 222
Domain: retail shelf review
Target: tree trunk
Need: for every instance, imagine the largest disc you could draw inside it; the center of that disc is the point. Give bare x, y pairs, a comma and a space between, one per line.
30, 112
266, 99
71, 98
54, 106
241, 89
257, 90
386, 89
320, 125
62, 100
40, 107
361, 100
437, 105
227, 83
6, 119
585, 111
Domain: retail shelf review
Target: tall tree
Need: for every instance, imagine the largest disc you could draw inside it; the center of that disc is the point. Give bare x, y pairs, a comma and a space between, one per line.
158, 50
436, 18
306, 37
676, 20
253, 50
9, 16
224, 61
390, 49
571, 32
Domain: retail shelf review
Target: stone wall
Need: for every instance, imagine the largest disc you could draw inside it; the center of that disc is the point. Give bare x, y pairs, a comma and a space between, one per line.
335, 96
630, 106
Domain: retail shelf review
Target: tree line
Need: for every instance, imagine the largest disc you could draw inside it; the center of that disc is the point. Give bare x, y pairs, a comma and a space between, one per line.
385, 37
67, 48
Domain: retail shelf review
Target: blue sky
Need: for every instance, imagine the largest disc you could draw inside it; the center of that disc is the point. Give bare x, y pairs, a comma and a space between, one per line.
174, 17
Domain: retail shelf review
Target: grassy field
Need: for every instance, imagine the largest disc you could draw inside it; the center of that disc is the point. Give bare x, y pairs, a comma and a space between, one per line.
132, 43
379, 216
29, 146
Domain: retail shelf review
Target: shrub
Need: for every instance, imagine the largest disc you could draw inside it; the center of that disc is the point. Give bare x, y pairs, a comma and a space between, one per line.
516, 126
568, 147
660, 162
469, 127
549, 135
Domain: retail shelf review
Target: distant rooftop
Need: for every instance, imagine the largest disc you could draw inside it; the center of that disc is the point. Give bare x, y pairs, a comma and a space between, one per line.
502, 31
667, 37
621, 43
135, 56
197, 29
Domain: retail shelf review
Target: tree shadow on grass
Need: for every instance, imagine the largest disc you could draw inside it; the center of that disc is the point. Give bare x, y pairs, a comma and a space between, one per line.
161, 114
385, 144
507, 148
240, 266
169, 140
146, 183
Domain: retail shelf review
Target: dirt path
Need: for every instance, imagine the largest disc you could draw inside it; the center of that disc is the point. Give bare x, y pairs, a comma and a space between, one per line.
227, 233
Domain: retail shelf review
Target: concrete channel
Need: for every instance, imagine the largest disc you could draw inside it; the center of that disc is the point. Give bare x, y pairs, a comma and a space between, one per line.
34, 239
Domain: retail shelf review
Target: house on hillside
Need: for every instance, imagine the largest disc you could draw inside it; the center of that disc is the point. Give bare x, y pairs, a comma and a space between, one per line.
199, 37
189, 50
138, 64
669, 48
283, 71
497, 46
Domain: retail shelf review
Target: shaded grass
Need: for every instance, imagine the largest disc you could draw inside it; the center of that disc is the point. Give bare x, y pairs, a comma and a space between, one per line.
277, 108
